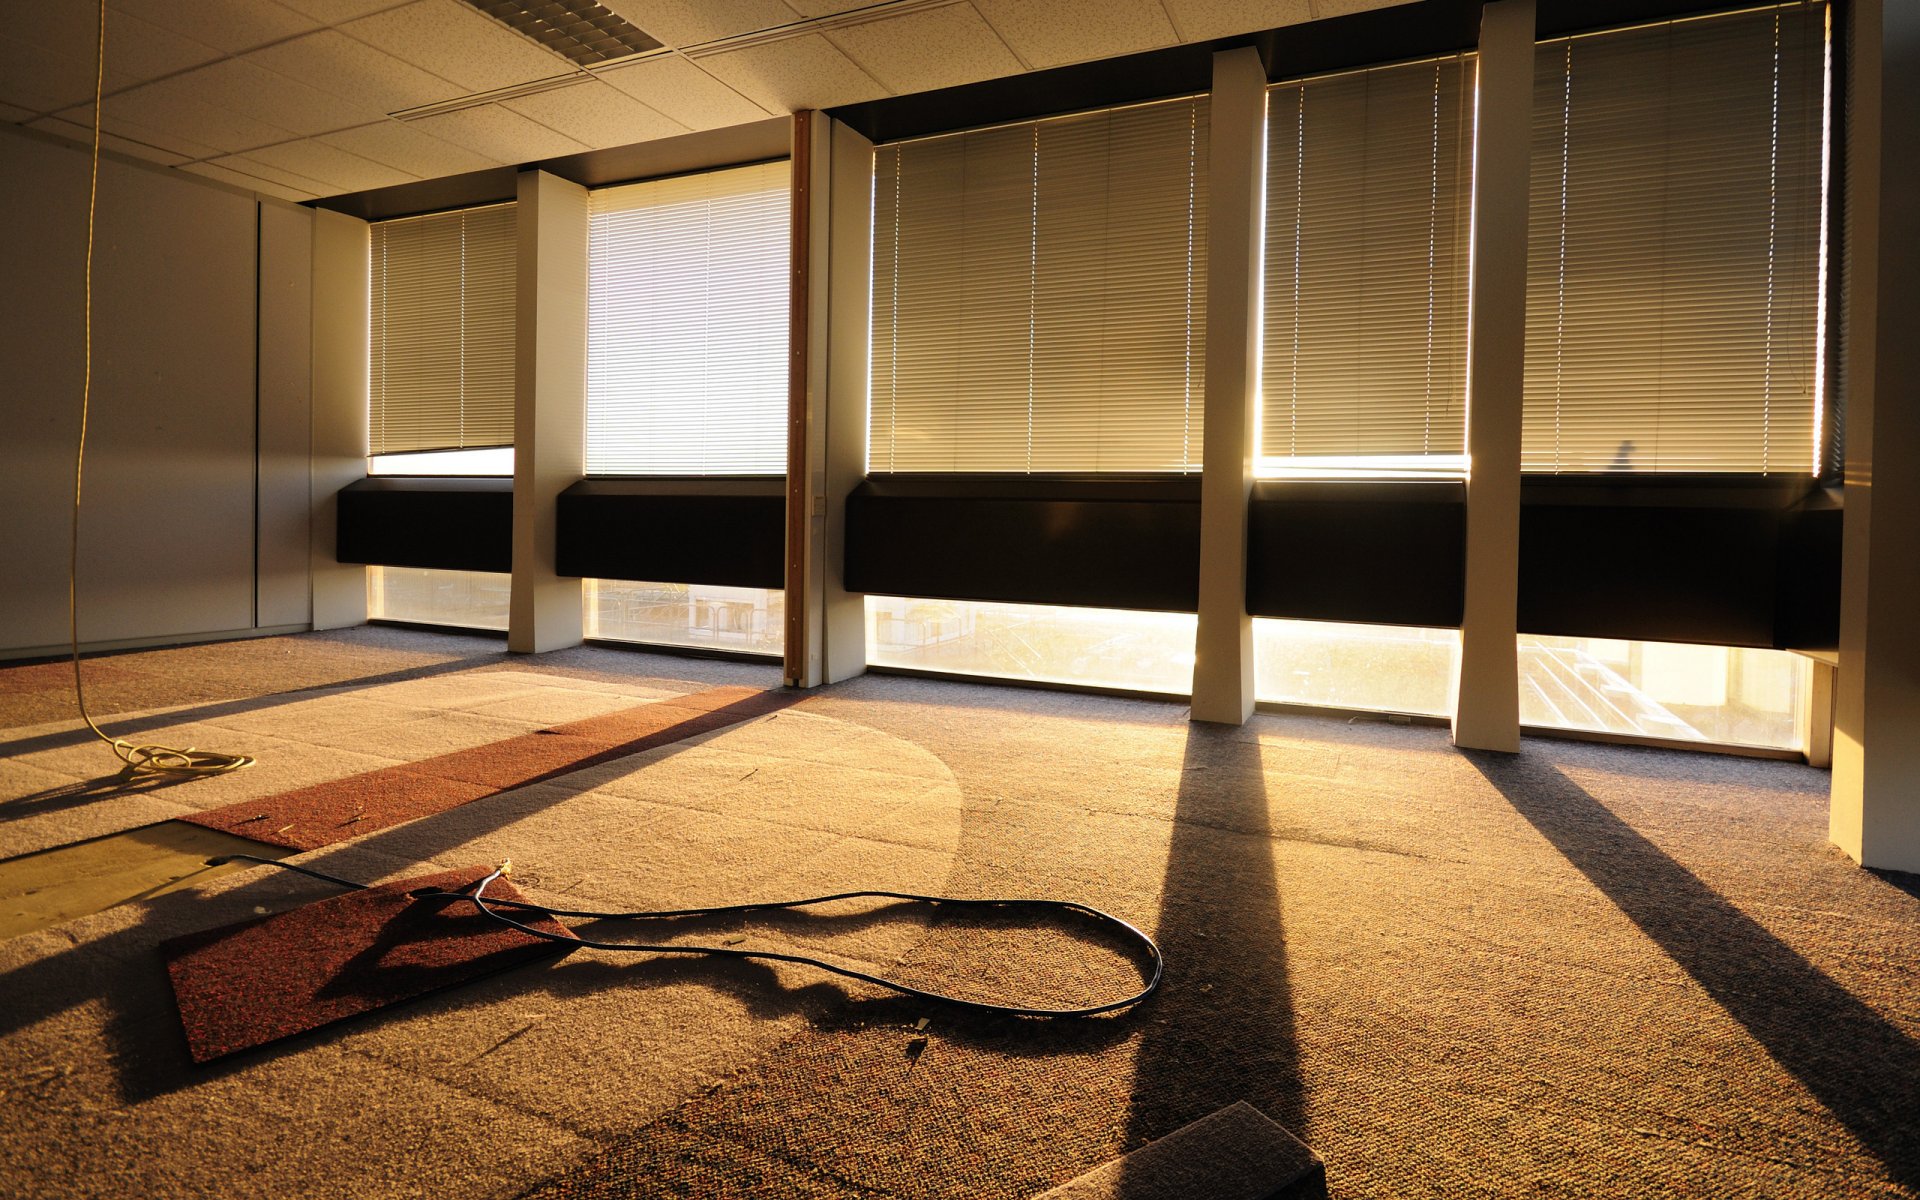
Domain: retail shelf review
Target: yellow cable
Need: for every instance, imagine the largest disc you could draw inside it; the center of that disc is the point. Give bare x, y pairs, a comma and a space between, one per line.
139, 759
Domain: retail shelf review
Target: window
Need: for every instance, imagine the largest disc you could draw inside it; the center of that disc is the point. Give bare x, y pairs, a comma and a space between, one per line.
1094, 647
463, 599
697, 616
1674, 292
687, 325
1382, 668
1364, 349
1668, 690
441, 370
1039, 295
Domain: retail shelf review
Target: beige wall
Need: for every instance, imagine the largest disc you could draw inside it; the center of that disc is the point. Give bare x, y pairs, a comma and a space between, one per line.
173, 485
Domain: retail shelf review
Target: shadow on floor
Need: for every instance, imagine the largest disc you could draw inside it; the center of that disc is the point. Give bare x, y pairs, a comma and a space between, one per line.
124, 727
1222, 1028
1863, 1069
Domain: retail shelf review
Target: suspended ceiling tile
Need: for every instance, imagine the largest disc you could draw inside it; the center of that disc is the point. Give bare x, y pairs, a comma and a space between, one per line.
170, 105
77, 124
932, 48
334, 12
333, 62
684, 92
246, 164
505, 136
229, 26
241, 86
344, 171
251, 183
1200, 20
792, 74
1051, 33
1340, 8
83, 134
829, 8
399, 145
691, 22
596, 114
41, 80
455, 42
137, 50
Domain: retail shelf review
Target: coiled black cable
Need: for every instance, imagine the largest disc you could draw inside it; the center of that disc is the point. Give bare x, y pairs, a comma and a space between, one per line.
492, 908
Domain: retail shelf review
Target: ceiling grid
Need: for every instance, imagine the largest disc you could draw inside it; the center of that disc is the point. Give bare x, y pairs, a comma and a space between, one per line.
305, 99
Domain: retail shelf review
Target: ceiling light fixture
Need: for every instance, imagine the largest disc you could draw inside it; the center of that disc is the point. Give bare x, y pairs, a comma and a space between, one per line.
580, 30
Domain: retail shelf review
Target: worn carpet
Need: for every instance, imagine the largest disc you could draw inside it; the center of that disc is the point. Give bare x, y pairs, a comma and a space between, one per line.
1581, 971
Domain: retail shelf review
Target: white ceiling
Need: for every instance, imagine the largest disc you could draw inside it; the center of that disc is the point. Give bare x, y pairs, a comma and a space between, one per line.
293, 98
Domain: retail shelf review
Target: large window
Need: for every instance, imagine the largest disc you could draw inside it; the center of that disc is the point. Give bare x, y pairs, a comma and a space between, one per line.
687, 325
1369, 185
1673, 297
1091, 647
1667, 690
1383, 668
441, 332
1039, 295
462, 599
687, 299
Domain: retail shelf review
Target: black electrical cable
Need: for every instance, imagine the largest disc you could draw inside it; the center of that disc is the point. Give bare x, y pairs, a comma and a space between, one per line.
491, 908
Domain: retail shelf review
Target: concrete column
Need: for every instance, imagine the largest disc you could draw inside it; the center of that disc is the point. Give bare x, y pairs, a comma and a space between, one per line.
549, 405
1486, 697
1223, 640
844, 450
1874, 813
827, 446
340, 264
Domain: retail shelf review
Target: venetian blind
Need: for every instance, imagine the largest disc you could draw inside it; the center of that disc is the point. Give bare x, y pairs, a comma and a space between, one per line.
442, 331
1369, 192
687, 298
1039, 295
1674, 246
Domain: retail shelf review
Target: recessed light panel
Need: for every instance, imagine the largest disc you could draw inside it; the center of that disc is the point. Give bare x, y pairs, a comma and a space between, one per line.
579, 29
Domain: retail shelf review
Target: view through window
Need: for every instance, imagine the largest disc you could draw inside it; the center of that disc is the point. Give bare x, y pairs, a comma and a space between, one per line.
463, 599
1735, 695
698, 616
1093, 647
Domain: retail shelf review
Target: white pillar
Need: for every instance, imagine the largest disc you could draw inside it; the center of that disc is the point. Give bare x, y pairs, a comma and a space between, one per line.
1874, 813
1486, 698
827, 449
1223, 639
549, 405
341, 247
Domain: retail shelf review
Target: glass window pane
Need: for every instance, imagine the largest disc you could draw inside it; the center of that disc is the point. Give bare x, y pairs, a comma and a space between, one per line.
1735, 695
466, 599
1094, 647
1382, 668
494, 460
752, 620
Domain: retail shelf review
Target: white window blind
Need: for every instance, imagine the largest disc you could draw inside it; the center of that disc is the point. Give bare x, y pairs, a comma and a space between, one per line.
1369, 190
687, 324
1674, 246
1039, 295
442, 331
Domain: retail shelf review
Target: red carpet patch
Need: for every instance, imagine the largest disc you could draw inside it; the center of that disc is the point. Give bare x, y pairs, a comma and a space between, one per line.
257, 982
311, 817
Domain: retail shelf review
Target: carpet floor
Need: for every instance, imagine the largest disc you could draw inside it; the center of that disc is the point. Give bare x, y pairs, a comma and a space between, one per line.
1580, 971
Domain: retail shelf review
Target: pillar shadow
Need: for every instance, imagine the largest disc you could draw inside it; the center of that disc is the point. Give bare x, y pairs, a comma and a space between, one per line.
1863, 1069
1221, 1027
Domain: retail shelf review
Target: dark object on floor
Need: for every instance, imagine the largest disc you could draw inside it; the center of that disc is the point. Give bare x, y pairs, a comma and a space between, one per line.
249, 984
1233, 1154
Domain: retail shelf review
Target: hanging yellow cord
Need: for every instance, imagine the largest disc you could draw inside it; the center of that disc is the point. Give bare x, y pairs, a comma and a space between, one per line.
139, 759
